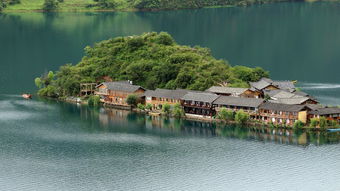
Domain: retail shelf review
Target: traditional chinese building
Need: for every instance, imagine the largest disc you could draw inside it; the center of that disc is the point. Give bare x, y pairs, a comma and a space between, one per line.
115, 93
157, 98
282, 113
199, 103
227, 91
331, 113
249, 105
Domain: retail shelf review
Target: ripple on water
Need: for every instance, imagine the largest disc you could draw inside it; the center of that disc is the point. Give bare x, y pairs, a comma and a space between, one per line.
318, 86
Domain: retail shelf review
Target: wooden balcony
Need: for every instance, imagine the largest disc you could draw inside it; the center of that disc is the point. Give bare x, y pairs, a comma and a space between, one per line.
270, 115
197, 106
101, 93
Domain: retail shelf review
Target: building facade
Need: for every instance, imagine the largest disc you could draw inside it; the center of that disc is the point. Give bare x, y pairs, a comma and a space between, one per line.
282, 113
199, 103
115, 93
249, 105
157, 98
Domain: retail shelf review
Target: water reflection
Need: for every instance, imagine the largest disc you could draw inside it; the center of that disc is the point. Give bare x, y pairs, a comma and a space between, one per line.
121, 120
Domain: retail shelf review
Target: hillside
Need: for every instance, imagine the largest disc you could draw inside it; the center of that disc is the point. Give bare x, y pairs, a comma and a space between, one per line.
152, 60
123, 5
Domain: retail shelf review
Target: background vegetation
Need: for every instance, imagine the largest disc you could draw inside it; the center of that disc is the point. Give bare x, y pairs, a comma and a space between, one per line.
152, 60
122, 4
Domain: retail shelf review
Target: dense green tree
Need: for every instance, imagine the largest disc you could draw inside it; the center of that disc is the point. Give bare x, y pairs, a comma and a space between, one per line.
332, 123
38, 82
298, 124
132, 100
141, 106
314, 122
241, 117
178, 110
322, 122
152, 60
48, 91
222, 114
50, 5
148, 106
93, 100
166, 108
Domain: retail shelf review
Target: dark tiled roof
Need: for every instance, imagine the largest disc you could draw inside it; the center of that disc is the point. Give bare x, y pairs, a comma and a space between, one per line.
301, 93
121, 86
272, 93
238, 101
285, 85
200, 96
326, 111
259, 85
282, 107
164, 93
314, 106
291, 101
226, 90
264, 82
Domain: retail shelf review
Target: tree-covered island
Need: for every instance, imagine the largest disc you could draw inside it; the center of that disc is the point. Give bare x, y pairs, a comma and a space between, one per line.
152, 60
164, 74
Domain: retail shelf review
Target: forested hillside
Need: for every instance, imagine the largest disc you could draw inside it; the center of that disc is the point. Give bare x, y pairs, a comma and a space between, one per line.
152, 60
93, 5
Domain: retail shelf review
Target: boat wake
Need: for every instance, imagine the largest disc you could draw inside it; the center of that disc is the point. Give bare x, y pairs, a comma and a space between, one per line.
318, 86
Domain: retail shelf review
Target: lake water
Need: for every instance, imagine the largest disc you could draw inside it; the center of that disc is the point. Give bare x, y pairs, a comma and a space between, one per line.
46, 145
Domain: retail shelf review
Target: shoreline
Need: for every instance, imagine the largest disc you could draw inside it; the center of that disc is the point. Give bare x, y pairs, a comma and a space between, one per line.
239, 4
249, 124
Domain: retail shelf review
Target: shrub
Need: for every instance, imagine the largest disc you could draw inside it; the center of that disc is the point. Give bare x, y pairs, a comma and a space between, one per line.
135, 43
49, 91
13, 2
38, 82
141, 106
106, 4
323, 122
241, 117
178, 110
298, 124
314, 122
332, 123
132, 100
164, 38
148, 106
166, 108
230, 115
93, 100
50, 5
222, 114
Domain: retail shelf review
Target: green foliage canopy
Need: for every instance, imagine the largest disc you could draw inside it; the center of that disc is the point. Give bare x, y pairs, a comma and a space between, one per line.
178, 110
50, 5
132, 100
298, 124
241, 117
94, 100
152, 60
166, 108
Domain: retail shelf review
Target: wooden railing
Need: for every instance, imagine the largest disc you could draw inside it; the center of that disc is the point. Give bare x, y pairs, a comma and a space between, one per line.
197, 106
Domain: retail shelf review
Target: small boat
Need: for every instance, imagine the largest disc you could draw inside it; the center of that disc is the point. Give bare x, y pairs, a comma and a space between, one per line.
333, 130
27, 96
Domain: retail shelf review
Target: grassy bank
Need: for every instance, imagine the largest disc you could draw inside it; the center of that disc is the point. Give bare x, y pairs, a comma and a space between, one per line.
122, 5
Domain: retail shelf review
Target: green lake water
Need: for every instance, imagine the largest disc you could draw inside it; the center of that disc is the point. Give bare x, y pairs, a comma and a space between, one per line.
46, 145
